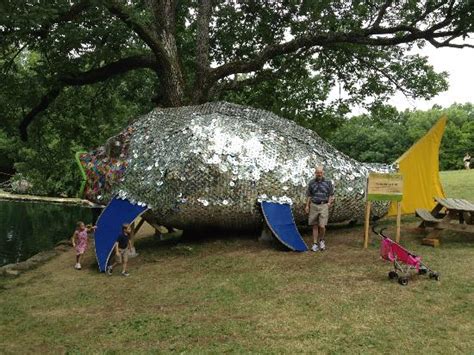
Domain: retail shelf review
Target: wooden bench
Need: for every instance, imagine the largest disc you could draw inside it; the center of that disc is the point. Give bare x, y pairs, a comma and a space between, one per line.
458, 208
451, 214
428, 220
427, 217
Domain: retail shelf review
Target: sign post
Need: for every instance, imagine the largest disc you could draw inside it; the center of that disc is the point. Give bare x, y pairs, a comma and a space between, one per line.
383, 187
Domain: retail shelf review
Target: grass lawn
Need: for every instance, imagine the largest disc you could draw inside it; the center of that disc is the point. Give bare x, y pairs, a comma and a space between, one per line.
458, 183
234, 294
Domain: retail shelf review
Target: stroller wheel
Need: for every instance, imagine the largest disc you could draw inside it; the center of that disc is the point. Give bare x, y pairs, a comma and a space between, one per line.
434, 275
392, 275
403, 281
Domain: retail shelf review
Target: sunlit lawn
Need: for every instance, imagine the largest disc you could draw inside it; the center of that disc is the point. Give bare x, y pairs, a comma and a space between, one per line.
234, 294
458, 183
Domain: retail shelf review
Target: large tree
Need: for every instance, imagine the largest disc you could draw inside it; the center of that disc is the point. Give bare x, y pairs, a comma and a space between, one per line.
202, 50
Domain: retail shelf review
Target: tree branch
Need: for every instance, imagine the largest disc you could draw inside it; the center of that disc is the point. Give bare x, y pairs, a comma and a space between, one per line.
234, 85
100, 74
428, 10
161, 41
46, 100
382, 12
262, 75
69, 15
448, 43
6, 67
84, 78
370, 36
202, 35
119, 10
164, 12
369, 64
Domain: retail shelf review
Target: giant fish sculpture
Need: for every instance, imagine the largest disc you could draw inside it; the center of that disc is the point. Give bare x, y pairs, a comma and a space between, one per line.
209, 166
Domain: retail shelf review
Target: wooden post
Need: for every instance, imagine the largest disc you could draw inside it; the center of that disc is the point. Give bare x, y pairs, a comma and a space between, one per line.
139, 225
367, 223
399, 219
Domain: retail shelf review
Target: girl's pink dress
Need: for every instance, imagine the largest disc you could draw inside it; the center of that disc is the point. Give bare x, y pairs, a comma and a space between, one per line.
81, 244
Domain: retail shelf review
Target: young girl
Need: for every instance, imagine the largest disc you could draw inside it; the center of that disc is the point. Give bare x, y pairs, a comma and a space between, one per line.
79, 241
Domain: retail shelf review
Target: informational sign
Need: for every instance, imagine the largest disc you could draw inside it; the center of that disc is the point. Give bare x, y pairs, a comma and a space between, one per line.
383, 187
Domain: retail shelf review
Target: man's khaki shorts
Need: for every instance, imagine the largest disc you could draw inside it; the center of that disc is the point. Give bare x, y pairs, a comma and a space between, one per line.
318, 214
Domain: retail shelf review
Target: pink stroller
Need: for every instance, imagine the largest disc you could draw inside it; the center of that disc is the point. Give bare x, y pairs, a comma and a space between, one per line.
403, 260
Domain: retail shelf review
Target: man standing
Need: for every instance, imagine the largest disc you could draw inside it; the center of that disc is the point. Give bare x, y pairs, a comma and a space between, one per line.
320, 197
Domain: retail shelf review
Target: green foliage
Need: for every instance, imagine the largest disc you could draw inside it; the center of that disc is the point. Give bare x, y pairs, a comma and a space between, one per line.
299, 96
5, 160
81, 118
386, 134
44, 43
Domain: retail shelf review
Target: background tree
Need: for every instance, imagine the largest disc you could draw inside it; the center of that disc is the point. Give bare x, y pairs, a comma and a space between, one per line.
82, 118
196, 48
74, 72
385, 134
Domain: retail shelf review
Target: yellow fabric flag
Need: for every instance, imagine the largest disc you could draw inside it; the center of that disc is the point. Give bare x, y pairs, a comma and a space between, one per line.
419, 166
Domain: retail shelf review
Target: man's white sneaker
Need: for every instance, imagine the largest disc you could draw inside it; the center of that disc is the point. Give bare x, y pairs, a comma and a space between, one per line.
109, 270
322, 245
315, 247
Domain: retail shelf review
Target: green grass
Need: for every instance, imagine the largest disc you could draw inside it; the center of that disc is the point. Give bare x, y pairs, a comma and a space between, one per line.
230, 294
458, 183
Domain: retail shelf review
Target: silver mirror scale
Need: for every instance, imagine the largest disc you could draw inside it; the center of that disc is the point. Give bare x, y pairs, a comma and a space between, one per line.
209, 166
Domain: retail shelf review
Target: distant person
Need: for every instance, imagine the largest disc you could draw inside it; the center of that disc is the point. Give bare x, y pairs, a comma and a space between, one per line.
320, 194
122, 249
80, 240
467, 161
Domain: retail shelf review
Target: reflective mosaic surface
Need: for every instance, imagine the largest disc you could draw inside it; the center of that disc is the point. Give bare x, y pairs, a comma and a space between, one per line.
210, 165
105, 166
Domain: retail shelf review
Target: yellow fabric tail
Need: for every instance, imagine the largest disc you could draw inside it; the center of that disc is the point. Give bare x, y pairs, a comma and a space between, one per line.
419, 166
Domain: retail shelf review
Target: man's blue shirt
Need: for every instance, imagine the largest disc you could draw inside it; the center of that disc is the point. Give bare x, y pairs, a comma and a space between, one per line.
320, 190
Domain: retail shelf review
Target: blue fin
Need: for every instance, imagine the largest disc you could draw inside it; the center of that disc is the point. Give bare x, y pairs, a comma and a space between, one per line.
280, 220
109, 226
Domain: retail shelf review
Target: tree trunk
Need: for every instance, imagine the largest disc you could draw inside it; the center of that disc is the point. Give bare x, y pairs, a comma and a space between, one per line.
202, 85
171, 73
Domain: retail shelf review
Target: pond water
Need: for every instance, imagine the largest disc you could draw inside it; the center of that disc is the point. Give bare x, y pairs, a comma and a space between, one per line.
28, 228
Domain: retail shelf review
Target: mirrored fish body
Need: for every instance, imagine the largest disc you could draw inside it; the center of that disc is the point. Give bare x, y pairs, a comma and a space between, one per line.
209, 166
